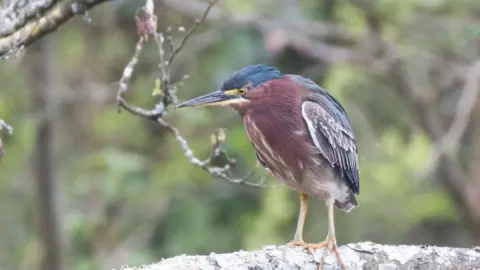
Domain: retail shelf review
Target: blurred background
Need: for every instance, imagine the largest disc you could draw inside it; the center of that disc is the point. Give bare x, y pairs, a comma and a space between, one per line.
123, 192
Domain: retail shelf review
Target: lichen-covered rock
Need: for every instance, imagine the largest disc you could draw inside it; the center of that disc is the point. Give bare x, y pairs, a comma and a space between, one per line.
366, 255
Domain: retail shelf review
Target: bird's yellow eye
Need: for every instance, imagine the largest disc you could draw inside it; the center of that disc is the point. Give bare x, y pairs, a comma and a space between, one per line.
242, 91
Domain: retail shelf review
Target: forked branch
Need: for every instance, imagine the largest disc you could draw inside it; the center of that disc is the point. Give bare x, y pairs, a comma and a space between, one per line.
218, 164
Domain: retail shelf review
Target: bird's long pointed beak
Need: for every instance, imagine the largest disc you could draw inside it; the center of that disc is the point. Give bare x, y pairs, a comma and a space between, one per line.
215, 98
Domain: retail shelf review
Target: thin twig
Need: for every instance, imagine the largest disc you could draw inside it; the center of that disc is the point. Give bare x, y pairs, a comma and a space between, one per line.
220, 172
191, 31
127, 75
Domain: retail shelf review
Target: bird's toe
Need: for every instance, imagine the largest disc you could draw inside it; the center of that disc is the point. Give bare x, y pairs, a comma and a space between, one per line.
297, 243
331, 245
307, 246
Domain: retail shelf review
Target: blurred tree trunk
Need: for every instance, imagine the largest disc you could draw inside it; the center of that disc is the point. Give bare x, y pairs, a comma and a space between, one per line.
464, 193
41, 79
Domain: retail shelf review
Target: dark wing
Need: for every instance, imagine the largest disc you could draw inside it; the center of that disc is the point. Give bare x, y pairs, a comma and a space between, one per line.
331, 131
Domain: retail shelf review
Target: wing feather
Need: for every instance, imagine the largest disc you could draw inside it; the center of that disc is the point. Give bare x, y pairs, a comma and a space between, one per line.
331, 131
335, 142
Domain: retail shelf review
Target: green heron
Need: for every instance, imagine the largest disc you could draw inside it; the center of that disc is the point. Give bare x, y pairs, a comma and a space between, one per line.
301, 134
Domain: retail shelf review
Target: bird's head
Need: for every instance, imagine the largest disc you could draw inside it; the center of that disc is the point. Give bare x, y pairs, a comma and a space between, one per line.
240, 88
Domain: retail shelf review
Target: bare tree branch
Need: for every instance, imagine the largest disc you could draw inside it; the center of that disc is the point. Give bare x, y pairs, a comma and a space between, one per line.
23, 22
9, 129
220, 172
465, 105
5, 126
365, 255
166, 90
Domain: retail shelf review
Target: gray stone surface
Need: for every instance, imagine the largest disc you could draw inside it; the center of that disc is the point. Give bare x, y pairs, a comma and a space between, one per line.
365, 255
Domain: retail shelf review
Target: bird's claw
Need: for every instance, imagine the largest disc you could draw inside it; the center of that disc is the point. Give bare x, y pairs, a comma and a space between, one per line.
330, 243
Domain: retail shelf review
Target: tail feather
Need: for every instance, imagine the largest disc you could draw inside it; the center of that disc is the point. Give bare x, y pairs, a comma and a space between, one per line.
348, 204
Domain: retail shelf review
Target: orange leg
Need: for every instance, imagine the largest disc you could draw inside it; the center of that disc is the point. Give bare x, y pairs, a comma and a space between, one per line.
330, 243
298, 238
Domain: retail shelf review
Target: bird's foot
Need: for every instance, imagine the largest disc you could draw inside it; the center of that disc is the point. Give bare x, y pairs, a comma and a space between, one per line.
330, 243
307, 246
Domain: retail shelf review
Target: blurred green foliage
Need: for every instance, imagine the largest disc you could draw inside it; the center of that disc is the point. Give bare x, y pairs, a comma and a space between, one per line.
126, 192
